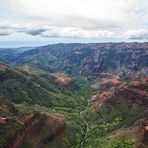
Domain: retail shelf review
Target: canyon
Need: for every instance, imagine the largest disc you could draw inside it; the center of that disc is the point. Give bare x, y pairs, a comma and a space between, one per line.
74, 95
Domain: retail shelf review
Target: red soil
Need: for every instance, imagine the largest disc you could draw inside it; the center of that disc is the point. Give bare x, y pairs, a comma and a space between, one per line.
62, 79
3, 67
26, 68
2, 120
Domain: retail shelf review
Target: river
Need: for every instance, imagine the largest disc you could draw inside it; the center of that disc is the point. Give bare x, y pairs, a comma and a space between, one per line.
86, 130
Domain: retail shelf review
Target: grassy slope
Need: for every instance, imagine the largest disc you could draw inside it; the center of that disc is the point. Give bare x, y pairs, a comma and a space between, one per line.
115, 123
40, 91
69, 103
86, 59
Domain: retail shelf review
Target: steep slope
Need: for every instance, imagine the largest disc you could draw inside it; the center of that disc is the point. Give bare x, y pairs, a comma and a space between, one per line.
114, 112
88, 59
10, 54
42, 108
21, 87
51, 56
31, 129
6, 108
58, 96
40, 88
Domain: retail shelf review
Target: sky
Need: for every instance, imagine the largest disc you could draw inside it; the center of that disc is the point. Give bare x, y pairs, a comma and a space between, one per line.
40, 22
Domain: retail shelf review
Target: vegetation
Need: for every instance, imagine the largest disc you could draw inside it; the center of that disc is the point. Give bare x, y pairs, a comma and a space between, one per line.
7, 131
42, 93
39, 90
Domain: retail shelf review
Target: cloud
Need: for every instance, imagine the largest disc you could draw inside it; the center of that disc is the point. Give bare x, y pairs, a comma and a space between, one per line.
86, 19
33, 32
4, 32
94, 14
140, 34
53, 32
10, 28
77, 33
47, 31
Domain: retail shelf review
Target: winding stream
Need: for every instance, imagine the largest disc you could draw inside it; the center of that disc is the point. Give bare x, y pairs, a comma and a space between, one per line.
87, 126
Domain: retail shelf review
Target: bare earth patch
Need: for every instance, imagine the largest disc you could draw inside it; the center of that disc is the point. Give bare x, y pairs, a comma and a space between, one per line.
3, 67
63, 79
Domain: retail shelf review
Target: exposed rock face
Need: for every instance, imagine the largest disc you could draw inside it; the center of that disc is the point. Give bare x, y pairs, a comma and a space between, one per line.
63, 79
112, 62
145, 132
31, 123
137, 92
107, 84
88, 59
108, 76
2, 120
29, 127
142, 134
98, 58
103, 96
57, 125
26, 68
67, 81
3, 67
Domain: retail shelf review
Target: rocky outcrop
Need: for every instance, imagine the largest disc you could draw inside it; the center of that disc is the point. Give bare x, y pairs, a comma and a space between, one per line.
142, 134
67, 81
107, 84
63, 79
137, 92
30, 126
3, 67
144, 130
107, 57
58, 126
88, 59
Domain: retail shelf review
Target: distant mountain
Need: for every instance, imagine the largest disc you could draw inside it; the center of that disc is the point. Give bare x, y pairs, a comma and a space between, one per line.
7, 55
74, 95
1, 61
22, 49
86, 59
10, 54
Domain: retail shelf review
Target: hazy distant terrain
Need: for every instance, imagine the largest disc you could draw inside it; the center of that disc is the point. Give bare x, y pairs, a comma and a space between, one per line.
74, 95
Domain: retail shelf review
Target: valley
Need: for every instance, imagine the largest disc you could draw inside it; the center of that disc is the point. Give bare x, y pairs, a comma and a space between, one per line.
86, 130
74, 95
